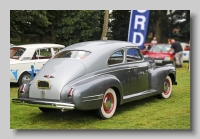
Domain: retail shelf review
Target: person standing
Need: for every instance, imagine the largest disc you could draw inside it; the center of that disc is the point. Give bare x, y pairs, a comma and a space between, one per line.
154, 41
178, 50
169, 41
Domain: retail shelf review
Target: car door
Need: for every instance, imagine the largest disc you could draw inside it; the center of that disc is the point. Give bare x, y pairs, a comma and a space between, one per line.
138, 71
120, 70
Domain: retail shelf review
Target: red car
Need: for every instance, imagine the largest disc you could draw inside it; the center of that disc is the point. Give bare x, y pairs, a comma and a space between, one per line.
160, 54
147, 46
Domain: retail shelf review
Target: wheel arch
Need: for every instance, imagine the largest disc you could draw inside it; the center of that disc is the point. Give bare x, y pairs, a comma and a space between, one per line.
95, 87
118, 94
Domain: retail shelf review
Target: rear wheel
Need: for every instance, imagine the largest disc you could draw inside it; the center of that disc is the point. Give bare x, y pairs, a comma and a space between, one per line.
24, 78
108, 106
167, 90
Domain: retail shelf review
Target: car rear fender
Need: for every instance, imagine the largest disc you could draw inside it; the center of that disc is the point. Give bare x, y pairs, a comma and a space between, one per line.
158, 75
88, 94
23, 90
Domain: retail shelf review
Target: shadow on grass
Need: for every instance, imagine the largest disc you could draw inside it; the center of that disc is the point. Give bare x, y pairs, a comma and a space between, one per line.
14, 85
75, 117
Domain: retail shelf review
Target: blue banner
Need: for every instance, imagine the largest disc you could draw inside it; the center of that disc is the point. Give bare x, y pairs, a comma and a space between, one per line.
138, 27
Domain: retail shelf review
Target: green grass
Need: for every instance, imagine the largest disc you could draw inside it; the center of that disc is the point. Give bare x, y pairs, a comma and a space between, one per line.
149, 113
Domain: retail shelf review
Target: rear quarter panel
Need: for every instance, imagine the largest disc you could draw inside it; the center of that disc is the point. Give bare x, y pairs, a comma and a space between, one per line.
88, 94
158, 75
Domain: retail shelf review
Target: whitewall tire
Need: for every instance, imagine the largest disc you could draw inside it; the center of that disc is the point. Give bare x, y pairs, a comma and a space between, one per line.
167, 90
109, 104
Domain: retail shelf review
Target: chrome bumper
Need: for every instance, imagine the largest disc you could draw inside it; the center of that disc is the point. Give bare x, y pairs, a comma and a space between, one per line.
44, 104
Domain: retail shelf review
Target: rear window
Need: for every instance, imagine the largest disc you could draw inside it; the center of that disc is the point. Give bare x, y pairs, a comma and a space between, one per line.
77, 54
16, 52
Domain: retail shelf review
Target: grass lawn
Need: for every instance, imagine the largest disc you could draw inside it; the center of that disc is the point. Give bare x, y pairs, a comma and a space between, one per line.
149, 113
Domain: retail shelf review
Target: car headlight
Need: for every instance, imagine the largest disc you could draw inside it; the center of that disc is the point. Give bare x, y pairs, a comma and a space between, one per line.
168, 58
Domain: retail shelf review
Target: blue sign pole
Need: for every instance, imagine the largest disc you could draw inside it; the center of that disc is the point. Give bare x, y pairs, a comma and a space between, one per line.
32, 71
138, 27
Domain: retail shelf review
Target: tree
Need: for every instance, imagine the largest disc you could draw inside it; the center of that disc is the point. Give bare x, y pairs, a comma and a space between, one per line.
120, 24
105, 25
64, 26
78, 26
28, 21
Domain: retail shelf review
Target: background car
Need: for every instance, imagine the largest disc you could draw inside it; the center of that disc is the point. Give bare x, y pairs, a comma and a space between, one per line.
147, 46
11, 45
160, 54
96, 75
23, 56
186, 51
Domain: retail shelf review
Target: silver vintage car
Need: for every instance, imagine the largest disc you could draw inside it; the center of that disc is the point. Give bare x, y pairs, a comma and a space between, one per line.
96, 75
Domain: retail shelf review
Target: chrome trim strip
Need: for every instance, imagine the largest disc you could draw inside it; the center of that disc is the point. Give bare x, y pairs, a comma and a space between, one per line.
124, 52
107, 73
93, 96
100, 74
138, 94
44, 104
92, 99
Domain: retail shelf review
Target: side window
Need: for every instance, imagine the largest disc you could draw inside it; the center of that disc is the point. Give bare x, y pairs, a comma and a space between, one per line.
133, 54
116, 58
42, 54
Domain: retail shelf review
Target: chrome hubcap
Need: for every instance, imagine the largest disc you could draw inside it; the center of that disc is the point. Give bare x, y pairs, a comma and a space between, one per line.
166, 87
108, 103
26, 78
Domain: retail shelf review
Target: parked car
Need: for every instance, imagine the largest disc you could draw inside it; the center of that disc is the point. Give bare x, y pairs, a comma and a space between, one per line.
186, 51
23, 56
147, 46
11, 45
160, 54
96, 75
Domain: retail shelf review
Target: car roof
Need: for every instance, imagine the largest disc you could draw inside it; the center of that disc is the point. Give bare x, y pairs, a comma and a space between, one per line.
100, 45
41, 45
100, 51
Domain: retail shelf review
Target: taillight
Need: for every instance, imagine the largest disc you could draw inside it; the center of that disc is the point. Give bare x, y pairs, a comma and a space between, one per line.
70, 92
22, 90
186, 49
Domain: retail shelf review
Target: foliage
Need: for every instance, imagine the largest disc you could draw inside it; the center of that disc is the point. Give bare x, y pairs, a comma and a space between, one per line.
66, 27
71, 26
120, 24
79, 26
161, 24
27, 21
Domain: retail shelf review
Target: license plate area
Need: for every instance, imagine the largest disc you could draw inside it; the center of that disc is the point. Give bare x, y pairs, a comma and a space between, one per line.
158, 61
43, 84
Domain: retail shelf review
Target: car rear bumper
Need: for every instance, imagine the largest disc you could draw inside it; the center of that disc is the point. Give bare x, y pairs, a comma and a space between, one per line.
43, 104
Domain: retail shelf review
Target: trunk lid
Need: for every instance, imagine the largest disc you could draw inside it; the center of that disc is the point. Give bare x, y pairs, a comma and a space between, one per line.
58, 72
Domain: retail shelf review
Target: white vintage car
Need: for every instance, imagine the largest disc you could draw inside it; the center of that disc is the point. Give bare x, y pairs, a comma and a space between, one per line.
186, 51
27, 58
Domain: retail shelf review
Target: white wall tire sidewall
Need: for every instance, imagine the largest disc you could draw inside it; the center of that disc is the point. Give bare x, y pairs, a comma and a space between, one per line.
104, 114
169, 94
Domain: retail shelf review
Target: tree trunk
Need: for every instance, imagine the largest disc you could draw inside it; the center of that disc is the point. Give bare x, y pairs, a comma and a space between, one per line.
22, 36
158, 32
172, 22
42, 38
105, 25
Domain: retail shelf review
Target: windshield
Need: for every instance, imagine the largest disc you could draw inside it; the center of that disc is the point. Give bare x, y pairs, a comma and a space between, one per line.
161, 48
16, 52
72, 54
